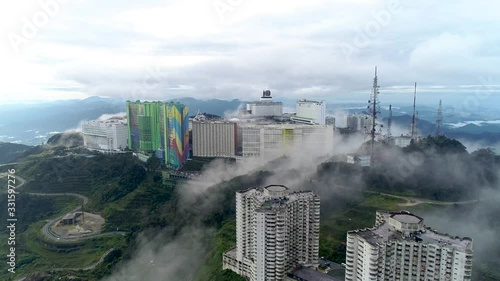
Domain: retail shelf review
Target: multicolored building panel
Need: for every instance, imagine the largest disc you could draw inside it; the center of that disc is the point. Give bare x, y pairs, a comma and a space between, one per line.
159, 127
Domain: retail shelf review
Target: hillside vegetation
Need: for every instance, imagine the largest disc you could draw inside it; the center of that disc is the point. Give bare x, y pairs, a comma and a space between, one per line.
436, 168
185, 236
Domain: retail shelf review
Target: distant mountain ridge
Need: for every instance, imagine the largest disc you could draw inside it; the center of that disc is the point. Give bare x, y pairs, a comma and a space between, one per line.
33, 123
10, 152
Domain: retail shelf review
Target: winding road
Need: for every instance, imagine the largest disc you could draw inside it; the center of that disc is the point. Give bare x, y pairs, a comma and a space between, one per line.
410, 201
414, 201
52, 236
87, 268
9, 164
46, 228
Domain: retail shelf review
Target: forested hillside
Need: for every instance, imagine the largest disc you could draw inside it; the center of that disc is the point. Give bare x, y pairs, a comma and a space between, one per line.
9, 152
181, 228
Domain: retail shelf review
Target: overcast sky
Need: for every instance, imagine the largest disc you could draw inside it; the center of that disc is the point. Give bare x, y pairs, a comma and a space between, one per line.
236, 48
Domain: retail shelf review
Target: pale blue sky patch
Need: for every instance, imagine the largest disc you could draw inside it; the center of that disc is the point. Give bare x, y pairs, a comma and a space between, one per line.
74, 49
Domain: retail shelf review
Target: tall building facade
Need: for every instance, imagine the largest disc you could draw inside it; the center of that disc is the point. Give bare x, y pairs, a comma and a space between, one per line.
266, 107
365, 122
402, 141
310, 112
162, 128
363, 160
400, 247
258, 140
214, 138
276, 230
358, 122
106, 135
351, 121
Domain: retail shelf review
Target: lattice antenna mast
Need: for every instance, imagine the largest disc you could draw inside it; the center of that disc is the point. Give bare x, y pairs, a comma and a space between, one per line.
416, 126
389, 122
374, 110
413, 127
439, 120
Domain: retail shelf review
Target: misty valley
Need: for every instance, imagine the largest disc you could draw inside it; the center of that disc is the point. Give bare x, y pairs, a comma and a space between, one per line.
159, 223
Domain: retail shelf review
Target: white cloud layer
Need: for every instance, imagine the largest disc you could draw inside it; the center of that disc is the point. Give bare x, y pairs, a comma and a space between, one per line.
54, 49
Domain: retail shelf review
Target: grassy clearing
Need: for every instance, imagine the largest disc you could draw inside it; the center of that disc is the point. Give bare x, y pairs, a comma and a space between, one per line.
426, 208
127, 212
35, 252
334, 226
382, 202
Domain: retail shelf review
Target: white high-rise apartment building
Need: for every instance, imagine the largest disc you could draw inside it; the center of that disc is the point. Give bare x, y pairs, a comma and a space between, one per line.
214, 138
310, 112
107, 135
276, 230
358, 122
400, 247
402, 141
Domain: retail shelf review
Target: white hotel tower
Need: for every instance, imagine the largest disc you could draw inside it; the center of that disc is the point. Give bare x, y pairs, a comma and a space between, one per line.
276, 230
108, 135
310, 112
400, 247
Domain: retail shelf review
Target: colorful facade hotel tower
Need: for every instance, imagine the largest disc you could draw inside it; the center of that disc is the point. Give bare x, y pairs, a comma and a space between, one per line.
162, 128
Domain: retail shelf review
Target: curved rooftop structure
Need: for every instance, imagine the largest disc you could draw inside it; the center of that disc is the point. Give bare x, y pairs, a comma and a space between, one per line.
276, 190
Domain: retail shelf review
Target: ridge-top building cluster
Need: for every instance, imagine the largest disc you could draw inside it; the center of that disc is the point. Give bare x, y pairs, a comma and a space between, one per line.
165, 130
149, 128
277, 238
262, 129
